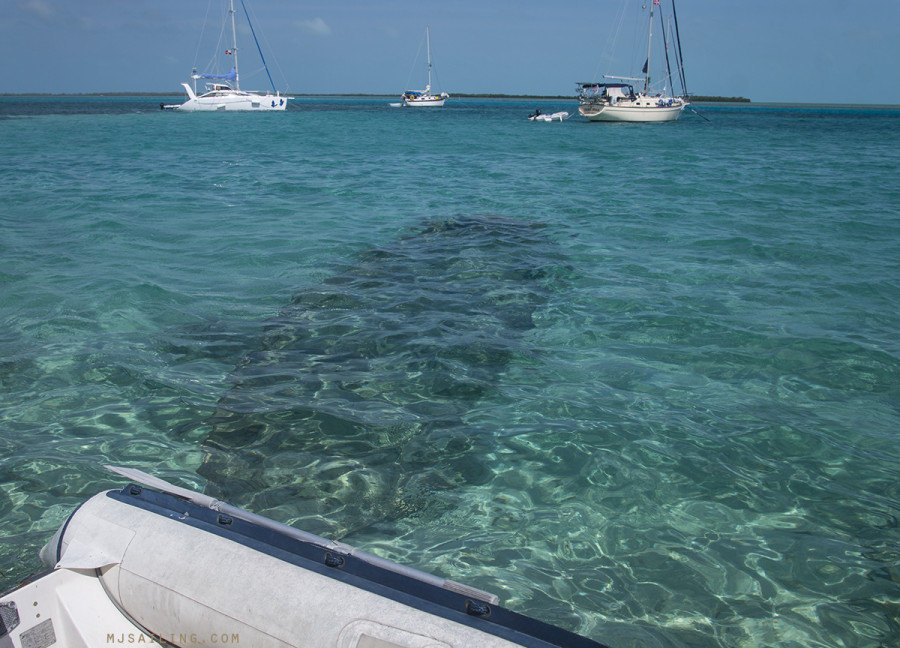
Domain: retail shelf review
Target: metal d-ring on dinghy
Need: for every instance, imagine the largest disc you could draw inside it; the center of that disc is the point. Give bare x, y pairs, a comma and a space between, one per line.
178, 568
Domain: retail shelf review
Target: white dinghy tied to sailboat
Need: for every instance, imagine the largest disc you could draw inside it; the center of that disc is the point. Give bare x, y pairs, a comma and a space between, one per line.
618, 101
156, 564
223, 91
538, 116
424, 98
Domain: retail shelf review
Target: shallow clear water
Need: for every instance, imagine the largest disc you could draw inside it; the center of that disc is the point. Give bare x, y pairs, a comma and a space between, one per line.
641, 381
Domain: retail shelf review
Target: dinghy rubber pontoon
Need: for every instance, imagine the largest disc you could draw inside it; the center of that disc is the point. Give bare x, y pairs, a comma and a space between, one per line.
176, 567
543, 117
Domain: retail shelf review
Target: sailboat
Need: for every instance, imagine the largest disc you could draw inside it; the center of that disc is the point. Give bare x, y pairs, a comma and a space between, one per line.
619, 101
223, 91
425, 97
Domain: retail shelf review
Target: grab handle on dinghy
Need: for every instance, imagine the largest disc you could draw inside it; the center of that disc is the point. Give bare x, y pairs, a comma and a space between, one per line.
206, 501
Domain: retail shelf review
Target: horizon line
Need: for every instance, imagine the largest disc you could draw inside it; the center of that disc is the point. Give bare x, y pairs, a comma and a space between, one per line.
339, 94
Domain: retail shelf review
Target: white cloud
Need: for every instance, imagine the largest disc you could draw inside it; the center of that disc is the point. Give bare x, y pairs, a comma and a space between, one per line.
38, 8
314, 26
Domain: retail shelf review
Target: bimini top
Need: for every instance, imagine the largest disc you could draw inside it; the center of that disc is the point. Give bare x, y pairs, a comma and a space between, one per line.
231, 76
594, 91
599, 86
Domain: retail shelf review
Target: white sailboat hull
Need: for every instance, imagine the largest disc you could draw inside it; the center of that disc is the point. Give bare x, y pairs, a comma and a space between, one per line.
425, 103
610, 113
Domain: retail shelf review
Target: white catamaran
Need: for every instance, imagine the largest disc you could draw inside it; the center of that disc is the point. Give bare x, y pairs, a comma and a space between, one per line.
223, 91
618, 101
425, 97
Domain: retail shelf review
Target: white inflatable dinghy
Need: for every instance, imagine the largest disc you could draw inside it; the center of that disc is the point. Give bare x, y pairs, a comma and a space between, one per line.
557, 116
173, 567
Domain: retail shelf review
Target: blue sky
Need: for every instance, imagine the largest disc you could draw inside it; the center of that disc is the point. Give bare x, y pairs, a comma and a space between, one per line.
822, 51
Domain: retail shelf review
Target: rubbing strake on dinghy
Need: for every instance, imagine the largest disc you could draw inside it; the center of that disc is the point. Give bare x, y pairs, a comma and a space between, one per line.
175, 567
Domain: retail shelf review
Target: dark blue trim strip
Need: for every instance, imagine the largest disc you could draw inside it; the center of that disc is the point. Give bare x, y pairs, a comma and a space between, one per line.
492, 619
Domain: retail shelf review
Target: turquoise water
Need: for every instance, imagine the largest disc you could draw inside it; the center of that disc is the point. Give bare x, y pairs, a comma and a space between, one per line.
640, 381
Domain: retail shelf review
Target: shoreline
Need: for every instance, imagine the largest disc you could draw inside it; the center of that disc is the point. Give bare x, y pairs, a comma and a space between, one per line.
460, 95
696, 99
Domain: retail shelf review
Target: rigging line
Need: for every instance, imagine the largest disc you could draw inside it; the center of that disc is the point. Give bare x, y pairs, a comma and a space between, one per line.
678, 63
680, 56
259, 49
433, 70
214, 63
202, 30
414, 65
638, 39
606, 56
287, 85
694, 110
437, 83
665, 39
668, 75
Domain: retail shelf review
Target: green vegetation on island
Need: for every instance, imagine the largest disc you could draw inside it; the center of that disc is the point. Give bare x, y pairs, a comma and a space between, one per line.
711, 99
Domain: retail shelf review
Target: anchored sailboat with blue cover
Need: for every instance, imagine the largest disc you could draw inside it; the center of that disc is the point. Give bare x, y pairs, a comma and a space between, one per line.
424, 98
617, 99
223, 91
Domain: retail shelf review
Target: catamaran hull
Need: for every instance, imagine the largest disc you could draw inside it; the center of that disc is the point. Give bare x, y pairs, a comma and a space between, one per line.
259, 104
223, 90
607, 113
137, 565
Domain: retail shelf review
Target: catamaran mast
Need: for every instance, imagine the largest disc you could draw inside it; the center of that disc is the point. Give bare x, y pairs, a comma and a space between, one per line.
237, 83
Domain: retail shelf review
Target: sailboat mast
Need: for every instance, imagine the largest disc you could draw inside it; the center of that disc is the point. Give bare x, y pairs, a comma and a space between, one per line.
649, 45
428, 50
237, 82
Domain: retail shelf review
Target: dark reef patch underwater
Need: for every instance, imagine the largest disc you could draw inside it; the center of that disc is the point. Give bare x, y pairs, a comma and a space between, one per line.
356, 401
